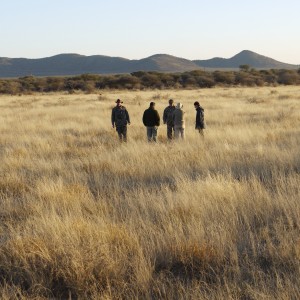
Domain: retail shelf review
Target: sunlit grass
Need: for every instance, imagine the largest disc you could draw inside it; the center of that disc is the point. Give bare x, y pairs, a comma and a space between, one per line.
84, 216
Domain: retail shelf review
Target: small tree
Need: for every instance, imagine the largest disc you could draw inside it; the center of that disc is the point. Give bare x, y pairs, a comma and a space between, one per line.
245, 68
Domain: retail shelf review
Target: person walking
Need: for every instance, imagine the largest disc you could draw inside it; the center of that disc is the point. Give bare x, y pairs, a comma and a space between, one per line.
151, 120
200, 124
179, 121
119, 119
168, 119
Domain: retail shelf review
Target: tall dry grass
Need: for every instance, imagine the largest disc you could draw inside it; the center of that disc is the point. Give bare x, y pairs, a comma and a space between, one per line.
84, 217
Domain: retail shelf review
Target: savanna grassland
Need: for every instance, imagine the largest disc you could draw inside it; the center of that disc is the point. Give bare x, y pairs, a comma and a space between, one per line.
85, 217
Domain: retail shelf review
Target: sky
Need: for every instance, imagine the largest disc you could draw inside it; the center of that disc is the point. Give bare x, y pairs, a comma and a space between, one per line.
193, 29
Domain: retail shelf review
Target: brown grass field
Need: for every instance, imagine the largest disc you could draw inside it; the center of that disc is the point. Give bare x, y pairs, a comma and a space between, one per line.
85, 217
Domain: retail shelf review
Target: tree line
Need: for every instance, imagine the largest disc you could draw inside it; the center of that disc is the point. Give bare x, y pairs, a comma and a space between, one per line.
90, 83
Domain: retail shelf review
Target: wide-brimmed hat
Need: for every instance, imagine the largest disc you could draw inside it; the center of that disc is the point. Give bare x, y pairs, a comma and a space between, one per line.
179, 105
119, 101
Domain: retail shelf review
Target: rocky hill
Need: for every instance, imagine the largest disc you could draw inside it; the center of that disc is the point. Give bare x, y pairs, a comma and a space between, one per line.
74, 64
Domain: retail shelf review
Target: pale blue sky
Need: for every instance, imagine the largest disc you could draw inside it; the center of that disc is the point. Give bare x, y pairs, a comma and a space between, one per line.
194, 29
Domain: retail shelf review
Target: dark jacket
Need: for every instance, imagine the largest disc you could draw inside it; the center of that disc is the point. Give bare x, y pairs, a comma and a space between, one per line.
120, 116
168, 115
151, 117
200, 118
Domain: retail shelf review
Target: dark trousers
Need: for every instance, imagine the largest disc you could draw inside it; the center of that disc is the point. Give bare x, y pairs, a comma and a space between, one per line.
122, 132
170, 132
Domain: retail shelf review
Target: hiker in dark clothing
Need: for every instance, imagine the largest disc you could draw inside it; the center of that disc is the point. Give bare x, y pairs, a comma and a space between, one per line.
120, 119
151, 120
200, 124
168, 119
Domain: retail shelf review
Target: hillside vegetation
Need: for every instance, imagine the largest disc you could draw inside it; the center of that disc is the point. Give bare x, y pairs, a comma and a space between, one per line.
84, 217
151, 80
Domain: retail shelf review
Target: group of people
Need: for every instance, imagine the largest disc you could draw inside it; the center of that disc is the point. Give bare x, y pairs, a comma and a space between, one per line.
173, 117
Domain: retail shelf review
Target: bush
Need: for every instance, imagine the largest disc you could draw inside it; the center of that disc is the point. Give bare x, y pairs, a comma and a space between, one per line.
224, 77
151, 81
205, 81
128, 82
288, 77
31, 84
268, 76
10, 87
54, 84
245, 79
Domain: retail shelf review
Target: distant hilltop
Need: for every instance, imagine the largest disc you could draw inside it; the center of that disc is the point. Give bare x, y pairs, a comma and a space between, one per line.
75, 64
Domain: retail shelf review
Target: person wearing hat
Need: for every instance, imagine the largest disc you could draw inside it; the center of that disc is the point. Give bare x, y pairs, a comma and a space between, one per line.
200, 124
179, 121
151, 120
168, 119
119, 119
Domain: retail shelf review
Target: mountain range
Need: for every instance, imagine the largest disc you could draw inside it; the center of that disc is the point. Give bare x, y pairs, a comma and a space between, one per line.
75, 64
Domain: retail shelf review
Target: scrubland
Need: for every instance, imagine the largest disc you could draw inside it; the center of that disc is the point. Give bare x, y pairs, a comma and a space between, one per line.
85, 217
